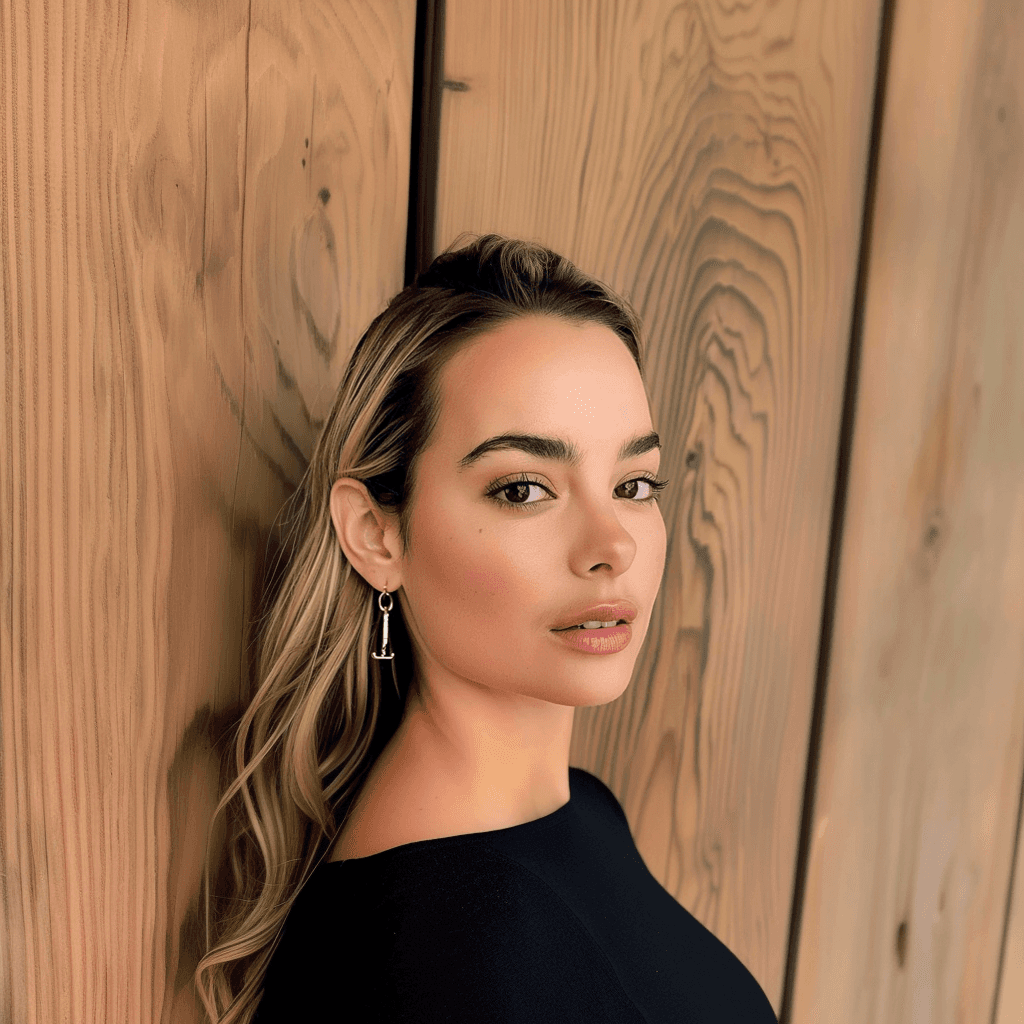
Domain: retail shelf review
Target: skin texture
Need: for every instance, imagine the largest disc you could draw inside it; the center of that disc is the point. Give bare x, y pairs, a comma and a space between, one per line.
484, 742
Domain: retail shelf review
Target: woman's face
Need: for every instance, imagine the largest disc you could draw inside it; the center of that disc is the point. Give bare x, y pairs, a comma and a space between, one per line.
489, 572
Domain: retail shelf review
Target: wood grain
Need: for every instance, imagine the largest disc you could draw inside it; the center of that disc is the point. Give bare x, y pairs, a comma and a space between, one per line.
1010, 995
200, 208
923, 736
708, 160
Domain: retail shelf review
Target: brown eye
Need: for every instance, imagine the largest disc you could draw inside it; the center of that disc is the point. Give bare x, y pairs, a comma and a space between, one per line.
640, 490
517, 493
633, 489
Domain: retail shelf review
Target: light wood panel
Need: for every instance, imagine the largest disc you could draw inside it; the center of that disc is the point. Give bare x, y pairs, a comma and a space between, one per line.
1010, 996
201, 205
708, 160
923, 740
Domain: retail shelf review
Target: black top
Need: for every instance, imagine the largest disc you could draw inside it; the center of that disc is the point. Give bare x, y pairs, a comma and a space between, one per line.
556, 919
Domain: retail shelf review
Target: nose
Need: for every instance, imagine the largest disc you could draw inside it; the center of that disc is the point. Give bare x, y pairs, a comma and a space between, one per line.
602, 543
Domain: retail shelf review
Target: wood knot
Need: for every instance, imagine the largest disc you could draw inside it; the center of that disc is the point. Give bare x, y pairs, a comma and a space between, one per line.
314, 273
932, 539
933, 528
901, 943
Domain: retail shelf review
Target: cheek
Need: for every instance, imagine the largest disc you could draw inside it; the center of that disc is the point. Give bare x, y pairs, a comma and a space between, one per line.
464, 584
462, 562
661, 544
484, 582
473, 573
657, 551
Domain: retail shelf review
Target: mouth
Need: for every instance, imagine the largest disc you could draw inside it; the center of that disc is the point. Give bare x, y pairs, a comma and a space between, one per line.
591, 626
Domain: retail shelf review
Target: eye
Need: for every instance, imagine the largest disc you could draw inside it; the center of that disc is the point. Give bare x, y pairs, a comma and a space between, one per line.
637, 485
515, 492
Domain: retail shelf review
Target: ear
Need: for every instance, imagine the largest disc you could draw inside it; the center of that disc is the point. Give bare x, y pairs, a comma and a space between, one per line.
368, 537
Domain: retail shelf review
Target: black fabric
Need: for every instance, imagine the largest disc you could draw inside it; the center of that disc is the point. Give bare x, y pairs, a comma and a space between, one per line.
553, 920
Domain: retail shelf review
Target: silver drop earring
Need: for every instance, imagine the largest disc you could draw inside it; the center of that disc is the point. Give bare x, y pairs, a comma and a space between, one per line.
389, 656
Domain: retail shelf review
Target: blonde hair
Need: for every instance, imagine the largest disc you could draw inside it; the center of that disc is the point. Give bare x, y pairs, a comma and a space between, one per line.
322, 712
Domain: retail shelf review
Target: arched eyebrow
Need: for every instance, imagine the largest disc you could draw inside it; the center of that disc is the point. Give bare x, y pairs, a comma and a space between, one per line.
555, 448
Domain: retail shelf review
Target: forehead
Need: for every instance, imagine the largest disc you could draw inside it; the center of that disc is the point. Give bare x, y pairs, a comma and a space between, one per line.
542, 374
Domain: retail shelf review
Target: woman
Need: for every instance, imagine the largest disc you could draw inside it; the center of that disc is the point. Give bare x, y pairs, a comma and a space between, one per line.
480, 550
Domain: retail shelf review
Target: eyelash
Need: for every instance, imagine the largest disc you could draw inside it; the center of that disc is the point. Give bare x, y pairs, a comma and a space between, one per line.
504, 483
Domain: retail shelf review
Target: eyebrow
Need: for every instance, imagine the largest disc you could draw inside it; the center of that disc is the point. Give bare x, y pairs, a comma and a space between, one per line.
554, 448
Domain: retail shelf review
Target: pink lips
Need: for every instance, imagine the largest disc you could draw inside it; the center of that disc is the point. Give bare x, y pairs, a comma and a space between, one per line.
609, 640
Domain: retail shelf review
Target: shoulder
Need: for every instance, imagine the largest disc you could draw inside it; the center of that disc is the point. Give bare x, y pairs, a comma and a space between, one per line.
463, 889
596, 792
488, 940
450, 931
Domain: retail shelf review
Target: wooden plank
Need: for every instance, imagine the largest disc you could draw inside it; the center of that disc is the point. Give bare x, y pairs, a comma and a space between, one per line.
708, 161
182, 278
923, 735
1010, 997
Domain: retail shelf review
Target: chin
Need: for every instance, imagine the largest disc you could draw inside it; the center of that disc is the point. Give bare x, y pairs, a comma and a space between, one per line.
600, 688
596, 697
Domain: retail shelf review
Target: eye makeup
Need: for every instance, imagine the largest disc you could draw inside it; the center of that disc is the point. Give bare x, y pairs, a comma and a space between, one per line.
506, 483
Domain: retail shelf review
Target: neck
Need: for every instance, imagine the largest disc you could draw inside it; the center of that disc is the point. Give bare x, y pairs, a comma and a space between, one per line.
471, 755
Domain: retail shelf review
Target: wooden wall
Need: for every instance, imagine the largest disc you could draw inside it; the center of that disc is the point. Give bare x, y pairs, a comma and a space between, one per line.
201, 205
822, 750
919, 775
710, 162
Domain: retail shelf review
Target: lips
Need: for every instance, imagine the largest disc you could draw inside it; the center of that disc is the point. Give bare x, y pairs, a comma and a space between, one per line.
606, 612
